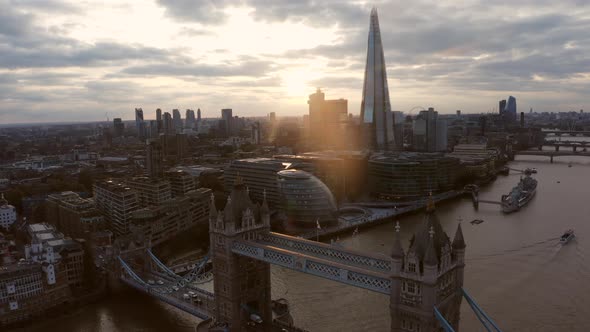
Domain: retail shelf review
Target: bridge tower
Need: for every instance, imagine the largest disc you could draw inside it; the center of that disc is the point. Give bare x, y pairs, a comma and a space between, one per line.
242, 285
428, 275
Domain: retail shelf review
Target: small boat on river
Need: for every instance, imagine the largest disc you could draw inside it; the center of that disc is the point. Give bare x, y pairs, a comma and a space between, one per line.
567, 236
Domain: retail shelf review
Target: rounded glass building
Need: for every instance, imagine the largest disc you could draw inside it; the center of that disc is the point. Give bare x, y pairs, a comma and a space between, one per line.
305, 199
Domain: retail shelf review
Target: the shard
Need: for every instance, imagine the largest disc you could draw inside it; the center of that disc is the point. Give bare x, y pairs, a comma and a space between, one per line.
376, 116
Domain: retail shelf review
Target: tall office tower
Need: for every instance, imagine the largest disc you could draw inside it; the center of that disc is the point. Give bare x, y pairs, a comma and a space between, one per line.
181, 146
376, 117
159, 119
327, 121
139, 124
227, 117
153, 129
255, 133
501, 106
168, 128
272, 117
189, 119
153, 159
177, 120
510, 110
430, 132
398, 129
442, 135
118, 127
198, 115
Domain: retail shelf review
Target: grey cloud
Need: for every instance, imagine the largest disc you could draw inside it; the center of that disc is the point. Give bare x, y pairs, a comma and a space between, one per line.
188, 31
318, 13
45, 5
77, 55
201, 11
256, 68
24, 45
443, 50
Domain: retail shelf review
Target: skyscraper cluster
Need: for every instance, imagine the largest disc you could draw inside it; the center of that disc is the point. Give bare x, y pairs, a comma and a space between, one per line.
165, 123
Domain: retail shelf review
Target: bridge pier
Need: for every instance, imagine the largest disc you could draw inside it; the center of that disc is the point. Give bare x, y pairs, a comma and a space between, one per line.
557, 148
551, 158
575, 148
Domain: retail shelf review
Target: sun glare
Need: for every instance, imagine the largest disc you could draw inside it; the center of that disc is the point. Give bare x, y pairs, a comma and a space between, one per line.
297, 83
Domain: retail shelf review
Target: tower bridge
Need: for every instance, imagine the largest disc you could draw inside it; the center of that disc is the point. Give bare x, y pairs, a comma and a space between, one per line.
424, 281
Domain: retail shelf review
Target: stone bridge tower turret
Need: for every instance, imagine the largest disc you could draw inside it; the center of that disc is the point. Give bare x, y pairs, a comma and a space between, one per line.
242, 284
428, 275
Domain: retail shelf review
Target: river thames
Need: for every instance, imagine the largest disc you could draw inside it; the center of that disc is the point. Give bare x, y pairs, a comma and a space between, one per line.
515, 268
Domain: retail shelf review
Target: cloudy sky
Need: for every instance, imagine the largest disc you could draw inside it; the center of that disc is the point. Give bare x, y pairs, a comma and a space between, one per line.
78, 60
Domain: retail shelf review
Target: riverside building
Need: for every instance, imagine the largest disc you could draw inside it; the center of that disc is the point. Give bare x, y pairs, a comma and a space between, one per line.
410, 175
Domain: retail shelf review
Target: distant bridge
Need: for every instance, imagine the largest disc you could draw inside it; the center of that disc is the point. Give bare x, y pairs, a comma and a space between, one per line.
567, 144
569, 132
551, 154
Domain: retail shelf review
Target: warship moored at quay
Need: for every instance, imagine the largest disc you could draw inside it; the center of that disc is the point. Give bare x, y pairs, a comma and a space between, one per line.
520, 195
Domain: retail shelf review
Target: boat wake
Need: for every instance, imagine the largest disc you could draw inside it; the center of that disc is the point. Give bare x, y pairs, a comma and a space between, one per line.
544, 244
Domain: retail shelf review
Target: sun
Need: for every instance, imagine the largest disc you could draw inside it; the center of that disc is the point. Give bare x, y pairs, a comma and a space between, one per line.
297, 83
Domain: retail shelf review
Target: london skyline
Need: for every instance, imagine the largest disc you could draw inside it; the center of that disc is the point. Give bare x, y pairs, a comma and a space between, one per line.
68, 62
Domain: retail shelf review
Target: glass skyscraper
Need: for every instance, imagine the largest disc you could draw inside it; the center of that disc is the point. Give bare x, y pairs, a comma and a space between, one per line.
376, 116
510, 109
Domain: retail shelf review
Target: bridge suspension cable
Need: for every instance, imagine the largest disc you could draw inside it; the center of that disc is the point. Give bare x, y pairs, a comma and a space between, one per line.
160, 264
195, 274
485, 320
479, 311
131, 272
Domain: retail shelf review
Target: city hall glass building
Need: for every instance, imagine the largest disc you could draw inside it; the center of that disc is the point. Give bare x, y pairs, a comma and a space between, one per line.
305, 199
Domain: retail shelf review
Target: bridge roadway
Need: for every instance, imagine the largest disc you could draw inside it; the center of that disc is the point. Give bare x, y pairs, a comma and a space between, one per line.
185, 266
364, 270
204, 309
